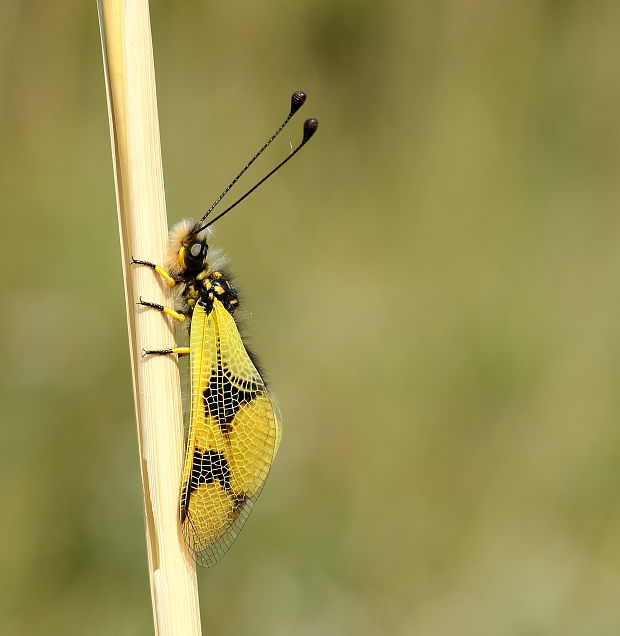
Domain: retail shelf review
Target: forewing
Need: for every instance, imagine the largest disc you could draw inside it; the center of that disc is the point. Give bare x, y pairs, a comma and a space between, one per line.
233, 435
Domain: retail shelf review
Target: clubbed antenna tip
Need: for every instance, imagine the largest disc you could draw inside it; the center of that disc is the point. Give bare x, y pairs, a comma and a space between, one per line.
310, 127
297, 101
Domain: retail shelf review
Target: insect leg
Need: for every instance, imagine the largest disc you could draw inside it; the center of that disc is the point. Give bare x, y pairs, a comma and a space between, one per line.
171, 312
181, 351
158, 270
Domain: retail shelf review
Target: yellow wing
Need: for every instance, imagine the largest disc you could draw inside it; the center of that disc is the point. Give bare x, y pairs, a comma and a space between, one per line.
233, 435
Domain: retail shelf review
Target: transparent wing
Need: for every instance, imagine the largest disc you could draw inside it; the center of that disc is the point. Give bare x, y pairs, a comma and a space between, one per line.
233, 435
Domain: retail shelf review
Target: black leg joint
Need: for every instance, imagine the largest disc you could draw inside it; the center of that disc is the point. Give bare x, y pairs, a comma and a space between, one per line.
135, 261
146, 303
156, 352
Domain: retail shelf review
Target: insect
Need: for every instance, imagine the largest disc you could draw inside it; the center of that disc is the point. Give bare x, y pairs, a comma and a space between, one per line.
235, 428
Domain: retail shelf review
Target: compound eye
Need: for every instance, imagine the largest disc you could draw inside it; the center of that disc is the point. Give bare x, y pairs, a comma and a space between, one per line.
196, 249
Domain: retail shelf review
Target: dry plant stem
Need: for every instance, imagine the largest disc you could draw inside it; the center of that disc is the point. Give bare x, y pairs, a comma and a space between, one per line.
132, 109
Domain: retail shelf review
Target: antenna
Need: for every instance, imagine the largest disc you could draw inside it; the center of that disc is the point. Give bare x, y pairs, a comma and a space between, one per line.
297, 101
310, 127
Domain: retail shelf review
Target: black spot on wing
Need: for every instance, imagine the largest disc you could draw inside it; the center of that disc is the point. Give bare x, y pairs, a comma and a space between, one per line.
207, 468
223, 399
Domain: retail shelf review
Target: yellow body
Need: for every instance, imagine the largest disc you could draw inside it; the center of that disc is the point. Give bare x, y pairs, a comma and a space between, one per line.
233, 435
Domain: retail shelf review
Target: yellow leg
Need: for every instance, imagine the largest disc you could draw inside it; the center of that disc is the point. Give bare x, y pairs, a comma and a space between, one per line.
171, 312
158, 270
174, 314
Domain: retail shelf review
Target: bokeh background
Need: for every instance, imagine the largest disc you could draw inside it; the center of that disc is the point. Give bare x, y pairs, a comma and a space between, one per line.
434, 288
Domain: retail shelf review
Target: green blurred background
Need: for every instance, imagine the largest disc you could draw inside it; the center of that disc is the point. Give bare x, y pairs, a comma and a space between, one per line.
434, 288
